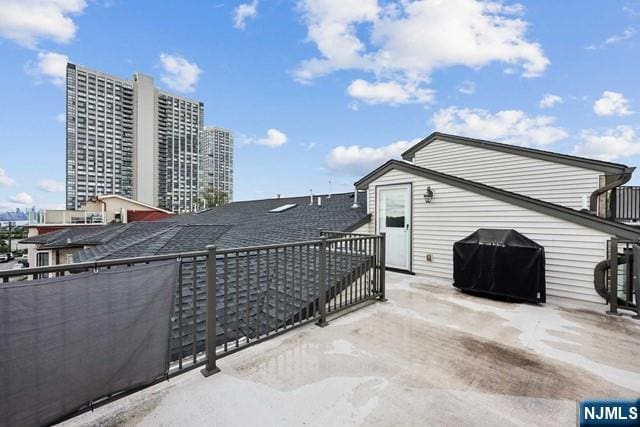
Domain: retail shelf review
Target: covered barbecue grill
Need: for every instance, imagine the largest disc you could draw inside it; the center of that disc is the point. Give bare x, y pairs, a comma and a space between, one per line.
501, 263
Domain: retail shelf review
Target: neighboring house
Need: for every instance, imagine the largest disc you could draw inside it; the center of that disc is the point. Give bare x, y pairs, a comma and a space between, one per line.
237, 224
480, 184
50, 230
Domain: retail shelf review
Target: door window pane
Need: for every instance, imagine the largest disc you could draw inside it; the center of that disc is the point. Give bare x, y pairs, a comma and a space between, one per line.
394, 208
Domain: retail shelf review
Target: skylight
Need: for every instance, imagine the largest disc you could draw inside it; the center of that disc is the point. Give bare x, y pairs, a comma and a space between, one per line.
283, 208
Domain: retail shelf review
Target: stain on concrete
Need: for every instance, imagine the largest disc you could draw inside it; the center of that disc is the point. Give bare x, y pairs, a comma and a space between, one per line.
130, 414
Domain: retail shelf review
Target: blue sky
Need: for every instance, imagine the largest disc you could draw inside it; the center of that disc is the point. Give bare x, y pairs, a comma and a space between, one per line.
325, 90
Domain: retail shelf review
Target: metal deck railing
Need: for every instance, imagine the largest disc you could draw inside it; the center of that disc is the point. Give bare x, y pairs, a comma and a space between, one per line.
227, 300
628, 204
621, 277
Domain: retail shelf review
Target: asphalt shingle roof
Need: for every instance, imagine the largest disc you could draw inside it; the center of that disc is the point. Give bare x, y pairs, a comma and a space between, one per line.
238, 224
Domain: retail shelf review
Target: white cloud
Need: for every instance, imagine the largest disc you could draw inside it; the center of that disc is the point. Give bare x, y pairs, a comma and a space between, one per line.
244, 12
179, 74
61, 117
626, 35
28, 21
21, 199
355, 159
309, 146
274, 138
611, 144
630, 10
611, 104
50, 66
6, 180
389, 93
549, 100
467, 87
616, 38
509, 126
51, 186
405, 41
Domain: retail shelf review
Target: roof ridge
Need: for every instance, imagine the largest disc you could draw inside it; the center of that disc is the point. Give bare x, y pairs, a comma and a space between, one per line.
289, 197
576, 215
118, 247
167, 236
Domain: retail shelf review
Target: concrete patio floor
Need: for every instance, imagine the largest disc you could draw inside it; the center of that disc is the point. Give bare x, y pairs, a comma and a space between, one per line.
429, 356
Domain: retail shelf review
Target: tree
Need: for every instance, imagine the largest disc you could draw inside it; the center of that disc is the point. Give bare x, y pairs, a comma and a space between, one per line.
211, 197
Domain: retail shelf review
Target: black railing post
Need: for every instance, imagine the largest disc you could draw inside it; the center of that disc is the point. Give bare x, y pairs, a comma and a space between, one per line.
636, 277
210, 367
613, 284
322, 283
383, 266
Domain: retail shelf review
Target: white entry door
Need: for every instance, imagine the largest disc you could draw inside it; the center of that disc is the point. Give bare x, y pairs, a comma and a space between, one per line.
394, 219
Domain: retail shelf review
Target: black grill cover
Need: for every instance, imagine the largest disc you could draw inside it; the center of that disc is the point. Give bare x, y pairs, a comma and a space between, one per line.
501, 263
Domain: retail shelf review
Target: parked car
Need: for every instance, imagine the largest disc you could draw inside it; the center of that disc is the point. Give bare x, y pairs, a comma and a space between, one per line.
23, 260
6, 257
17, 266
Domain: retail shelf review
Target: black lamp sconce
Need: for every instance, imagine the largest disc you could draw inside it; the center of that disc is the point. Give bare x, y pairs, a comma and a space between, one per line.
428, 196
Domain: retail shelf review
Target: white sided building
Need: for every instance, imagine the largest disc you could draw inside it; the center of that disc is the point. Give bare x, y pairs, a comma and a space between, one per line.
448, 186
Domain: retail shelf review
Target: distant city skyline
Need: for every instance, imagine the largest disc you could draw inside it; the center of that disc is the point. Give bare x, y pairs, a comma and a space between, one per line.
319, 90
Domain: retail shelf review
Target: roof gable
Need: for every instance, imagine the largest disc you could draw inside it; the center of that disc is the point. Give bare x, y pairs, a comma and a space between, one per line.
551, 209
581, 162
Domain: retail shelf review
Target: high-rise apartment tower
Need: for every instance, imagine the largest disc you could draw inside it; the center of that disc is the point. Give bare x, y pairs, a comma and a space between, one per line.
130, 138
217, 160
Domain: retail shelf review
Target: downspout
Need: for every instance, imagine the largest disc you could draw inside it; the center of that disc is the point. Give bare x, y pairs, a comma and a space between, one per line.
593, 203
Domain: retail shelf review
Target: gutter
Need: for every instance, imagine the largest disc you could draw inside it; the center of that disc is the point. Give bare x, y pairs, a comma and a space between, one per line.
593, 202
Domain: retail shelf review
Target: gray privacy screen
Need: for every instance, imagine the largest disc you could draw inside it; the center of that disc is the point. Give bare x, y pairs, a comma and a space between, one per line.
67, 341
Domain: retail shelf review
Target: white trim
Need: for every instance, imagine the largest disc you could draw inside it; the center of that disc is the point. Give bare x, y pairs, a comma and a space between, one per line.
117, 196
408, 196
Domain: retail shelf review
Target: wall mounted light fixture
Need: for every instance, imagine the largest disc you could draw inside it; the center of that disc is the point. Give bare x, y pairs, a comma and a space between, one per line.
428, 196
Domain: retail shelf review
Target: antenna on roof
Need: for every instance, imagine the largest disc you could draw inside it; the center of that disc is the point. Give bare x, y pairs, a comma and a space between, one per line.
329, 190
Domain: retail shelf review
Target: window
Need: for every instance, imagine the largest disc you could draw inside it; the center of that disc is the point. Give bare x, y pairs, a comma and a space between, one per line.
42, 259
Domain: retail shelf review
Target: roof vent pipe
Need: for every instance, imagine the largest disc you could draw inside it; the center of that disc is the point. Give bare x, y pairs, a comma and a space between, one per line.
328, 197
319, 201
355, 204
311, 197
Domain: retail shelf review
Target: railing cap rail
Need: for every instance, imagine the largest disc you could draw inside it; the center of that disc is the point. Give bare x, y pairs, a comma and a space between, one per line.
177, 255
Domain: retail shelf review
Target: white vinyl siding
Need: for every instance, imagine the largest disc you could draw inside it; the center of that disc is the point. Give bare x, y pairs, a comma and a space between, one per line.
545, 180
572, 250
363, 229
